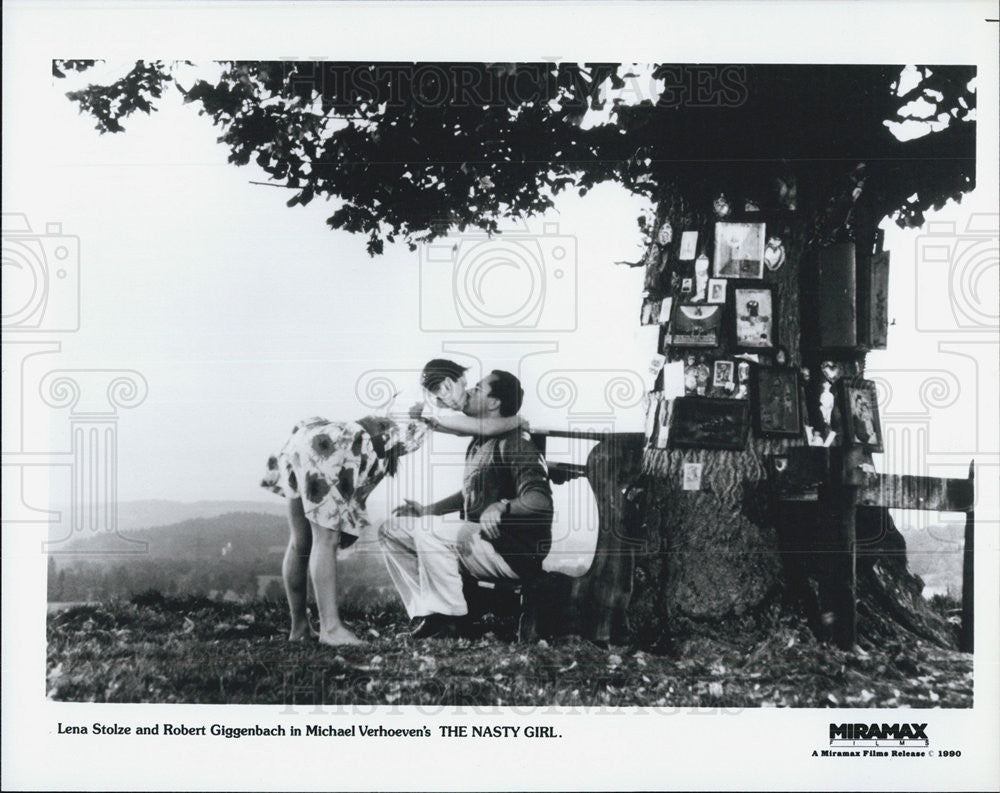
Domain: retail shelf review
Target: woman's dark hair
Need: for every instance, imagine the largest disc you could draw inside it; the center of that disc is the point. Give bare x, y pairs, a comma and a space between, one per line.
437, 370
507, 388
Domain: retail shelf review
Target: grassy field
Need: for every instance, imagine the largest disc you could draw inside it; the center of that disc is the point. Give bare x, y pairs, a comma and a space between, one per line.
156, 649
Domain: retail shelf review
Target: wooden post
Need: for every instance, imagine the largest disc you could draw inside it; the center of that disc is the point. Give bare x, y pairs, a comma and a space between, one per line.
846, 628
838, 500
966, 640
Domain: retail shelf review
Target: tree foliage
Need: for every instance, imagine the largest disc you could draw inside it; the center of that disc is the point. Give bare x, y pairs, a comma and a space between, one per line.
411, 150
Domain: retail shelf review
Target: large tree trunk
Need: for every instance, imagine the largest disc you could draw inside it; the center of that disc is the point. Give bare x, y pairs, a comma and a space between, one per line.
714, 553
701, 557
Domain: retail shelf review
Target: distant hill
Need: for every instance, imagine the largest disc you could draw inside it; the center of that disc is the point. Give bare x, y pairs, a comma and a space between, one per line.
233, 534
228, 551
935, 554
146, 514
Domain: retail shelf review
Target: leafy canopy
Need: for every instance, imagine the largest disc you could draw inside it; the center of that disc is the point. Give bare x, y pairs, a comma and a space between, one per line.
410, 150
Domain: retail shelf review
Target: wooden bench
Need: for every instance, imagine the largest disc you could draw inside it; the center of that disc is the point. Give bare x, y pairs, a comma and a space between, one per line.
536, 607
837, 479
539, 604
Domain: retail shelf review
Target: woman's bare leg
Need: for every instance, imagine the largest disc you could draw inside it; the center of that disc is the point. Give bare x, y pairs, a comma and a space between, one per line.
323, 569
295, 568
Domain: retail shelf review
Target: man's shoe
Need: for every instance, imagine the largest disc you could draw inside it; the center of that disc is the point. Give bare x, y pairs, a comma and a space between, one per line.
436, 626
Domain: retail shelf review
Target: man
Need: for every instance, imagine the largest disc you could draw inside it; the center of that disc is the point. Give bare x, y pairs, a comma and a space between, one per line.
505, 528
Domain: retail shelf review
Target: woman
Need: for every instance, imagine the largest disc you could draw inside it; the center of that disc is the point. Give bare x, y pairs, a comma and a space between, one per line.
326, 471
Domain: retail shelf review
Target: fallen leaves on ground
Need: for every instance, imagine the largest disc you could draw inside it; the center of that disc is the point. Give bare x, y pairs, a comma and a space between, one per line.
200, 651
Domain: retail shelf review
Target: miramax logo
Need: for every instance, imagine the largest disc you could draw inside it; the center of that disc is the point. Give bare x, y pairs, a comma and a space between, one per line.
877, 740
873, 733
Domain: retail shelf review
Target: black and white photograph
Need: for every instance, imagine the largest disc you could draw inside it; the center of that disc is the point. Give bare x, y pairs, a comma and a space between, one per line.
739, 250
695, 325
717, 290
776, 401
337, 452
689, 245
724, 375
708, 423
651, 308
859, 407
754, 319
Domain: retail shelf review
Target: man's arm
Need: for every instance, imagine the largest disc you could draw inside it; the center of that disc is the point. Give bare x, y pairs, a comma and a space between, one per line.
452, 503
533, 493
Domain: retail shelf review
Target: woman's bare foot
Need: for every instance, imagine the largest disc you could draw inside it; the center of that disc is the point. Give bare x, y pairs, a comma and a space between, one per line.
339, 635
301, 630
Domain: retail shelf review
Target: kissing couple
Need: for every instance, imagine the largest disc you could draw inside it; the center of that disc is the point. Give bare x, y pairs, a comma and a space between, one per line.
327, 470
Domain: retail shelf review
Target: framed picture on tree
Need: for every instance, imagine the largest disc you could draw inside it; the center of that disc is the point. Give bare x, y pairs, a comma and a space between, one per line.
724, 375
753, 317
859, 408
695, 325
716, 291
709, 423
775, 396
650, 314
739, 250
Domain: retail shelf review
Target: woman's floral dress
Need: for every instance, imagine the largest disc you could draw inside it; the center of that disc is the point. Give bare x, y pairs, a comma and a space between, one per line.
332, 466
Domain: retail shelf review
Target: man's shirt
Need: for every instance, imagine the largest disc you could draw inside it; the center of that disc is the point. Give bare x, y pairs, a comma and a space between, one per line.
509, 466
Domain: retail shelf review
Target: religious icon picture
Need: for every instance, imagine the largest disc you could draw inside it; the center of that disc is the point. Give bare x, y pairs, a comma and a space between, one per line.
739, 250
717, 290
724, 375
859, 408
650, 314
692, 476
775, 394
706, 423
689, 246
695, 325
691, 371
754, 319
